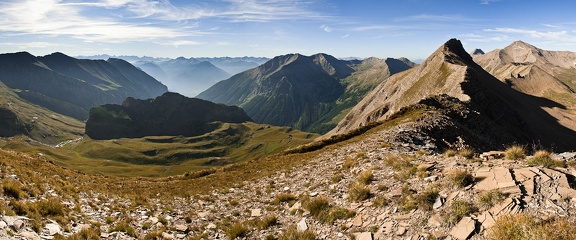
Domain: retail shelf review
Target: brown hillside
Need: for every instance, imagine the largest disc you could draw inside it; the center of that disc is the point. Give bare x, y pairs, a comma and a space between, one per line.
450, 70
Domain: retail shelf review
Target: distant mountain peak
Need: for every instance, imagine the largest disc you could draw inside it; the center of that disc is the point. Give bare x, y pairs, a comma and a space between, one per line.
477, 51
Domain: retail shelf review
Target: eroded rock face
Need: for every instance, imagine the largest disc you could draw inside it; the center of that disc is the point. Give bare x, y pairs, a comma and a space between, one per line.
170, 114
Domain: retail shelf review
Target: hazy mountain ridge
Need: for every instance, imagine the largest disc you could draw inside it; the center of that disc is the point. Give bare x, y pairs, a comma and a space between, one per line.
72, 86
190, 76
305, 92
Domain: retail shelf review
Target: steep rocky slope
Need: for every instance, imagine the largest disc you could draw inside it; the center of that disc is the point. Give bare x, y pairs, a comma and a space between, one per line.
72, 86
308, 93
538, 72
451, 71
168, 115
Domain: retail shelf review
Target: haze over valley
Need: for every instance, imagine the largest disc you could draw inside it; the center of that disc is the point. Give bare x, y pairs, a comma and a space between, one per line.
257, 119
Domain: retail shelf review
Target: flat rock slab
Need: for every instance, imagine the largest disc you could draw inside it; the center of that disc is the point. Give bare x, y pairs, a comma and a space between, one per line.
464, 228
302, 226
496, 178
363, 236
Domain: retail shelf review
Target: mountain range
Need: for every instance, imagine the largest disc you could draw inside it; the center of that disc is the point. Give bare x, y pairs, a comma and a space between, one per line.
309, 93
72, 86
189, 76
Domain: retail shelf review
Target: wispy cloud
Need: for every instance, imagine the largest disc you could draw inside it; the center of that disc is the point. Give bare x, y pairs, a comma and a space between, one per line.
431, 17
326, 28
487, 2
139, 20
471, 37
551, 35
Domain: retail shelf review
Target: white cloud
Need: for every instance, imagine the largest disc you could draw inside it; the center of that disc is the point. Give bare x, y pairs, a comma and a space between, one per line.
551, 35
430, 17
471, 37
487, 2
326, 28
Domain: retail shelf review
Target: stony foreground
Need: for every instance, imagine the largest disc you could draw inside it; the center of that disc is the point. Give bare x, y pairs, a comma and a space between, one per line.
374, 188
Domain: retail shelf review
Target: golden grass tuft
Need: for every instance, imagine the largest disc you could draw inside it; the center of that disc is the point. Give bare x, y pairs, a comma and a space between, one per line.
515, 152
523, 226
544, 158
460, 178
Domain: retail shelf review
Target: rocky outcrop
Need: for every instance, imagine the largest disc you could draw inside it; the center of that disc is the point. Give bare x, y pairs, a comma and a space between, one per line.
169, 114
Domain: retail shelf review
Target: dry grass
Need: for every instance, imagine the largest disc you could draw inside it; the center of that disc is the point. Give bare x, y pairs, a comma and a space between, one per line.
292, 234
522, 226
460, 178
515, 152
458, 210
544, 158
365, 177
467, 153
358, 192
490, 198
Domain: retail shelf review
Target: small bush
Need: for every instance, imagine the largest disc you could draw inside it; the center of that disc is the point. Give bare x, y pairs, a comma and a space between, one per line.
109, 220
266, 222
349, 162
337, 178
458, 210
292, 234
12, 188
50, 207
460, 178
124, 227
237, 230
358, 192
467, 153
381, 201
365, 177
317, 206
522, 226
544, 158
84, 234
339, 213
515, 153
490, 198
450, 153
199, 173
284, 197
155, 235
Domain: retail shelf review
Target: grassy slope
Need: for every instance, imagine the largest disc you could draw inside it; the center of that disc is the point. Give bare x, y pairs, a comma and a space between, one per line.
47, 127
169, 155
41, 159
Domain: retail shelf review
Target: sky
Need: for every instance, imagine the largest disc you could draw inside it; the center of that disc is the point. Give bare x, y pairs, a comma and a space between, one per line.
268, 28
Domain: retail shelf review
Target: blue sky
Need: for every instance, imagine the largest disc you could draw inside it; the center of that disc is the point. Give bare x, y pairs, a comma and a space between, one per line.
267, 28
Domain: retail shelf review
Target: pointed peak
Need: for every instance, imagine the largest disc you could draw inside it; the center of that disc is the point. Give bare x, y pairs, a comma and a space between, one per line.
454, 52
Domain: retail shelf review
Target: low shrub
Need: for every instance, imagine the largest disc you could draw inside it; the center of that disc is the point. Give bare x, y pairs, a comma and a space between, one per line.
458, 210
358, 192
237, 230
467, 153
515, 152
284, 197
460, 178
291, 233
490, 198
544, 158
522, 226
365, 177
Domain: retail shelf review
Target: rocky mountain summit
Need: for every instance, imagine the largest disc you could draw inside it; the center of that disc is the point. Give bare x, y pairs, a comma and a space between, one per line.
452, 71
168, 115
